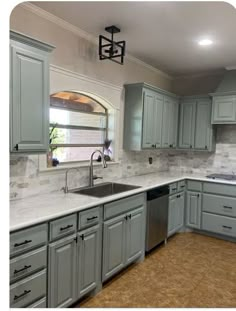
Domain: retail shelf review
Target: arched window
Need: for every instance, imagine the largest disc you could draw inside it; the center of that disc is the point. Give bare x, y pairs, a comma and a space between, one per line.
78, 126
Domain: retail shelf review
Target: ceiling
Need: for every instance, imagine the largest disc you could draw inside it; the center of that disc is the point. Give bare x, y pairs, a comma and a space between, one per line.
162, 34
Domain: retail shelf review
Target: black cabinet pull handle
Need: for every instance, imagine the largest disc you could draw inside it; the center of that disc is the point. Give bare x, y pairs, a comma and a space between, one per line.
130, 216
170, 145
76, 239
191, 146
174, 188
227, 227
182, 186
17, 147
153, 146
91, 218
23, 243
225, 206
82, 237
22, 295
126, 217
205, 147
67, 227
25, 267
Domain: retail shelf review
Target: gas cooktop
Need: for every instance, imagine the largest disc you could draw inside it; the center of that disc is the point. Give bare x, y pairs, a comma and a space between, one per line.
222, 176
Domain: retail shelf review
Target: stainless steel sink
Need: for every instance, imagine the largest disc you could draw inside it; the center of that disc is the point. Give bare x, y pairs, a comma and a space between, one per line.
104, 189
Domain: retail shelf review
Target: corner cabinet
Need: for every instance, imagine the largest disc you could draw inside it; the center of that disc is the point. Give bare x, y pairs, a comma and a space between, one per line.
150, 119
29, 94
195, 129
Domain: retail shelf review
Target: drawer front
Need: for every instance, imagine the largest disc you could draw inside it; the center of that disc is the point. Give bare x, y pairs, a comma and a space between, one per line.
62, 227
28, 290
27, 239
219, 205
194, 185
181, 186
42, 303
25, 264
173, 188
219, 188
219, 224
89, 218
122, 206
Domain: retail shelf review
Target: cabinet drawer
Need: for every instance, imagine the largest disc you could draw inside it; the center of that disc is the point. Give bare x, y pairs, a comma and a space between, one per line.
89, 217
219, 205
181, 185
173, 188
122, 206
219, 224
42, 303
28, 290
194, 185
62, 227
24, 240
25, 264
219, 188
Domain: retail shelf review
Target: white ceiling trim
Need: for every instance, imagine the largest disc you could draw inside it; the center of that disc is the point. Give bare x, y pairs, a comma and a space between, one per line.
79, 32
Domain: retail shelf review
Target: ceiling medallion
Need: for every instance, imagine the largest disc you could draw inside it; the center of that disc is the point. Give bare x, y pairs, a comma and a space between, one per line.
109, 49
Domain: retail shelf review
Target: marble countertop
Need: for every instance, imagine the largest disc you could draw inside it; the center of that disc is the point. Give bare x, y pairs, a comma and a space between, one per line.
37, 209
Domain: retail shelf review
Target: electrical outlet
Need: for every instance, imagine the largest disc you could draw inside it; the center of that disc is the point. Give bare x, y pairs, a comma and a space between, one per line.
150, 160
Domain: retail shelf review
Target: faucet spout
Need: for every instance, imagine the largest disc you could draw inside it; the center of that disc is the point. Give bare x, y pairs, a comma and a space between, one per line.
104, 164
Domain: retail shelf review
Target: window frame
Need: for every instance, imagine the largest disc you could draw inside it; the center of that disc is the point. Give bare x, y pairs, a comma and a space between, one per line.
79, 127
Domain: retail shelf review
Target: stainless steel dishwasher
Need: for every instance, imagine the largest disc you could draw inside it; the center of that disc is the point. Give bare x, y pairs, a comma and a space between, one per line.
157, 216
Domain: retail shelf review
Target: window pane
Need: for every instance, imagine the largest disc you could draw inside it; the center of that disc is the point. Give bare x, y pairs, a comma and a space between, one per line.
66, 117
68, 136
75, 153
77, 101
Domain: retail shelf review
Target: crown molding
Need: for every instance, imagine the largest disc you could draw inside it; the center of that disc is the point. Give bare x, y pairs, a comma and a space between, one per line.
81, 33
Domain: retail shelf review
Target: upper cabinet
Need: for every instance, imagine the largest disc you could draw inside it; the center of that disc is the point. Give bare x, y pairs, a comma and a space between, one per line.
195, 129
29, 94
150, 119
224, 109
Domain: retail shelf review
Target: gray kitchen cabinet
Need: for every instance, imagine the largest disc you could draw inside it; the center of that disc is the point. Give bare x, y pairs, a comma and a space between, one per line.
29, 94
193, 209
89, 253
62, 272
187, 124
176, 213
114, 235
145, 107
195, 129
135, 235
152, 119
224, 109
169, 122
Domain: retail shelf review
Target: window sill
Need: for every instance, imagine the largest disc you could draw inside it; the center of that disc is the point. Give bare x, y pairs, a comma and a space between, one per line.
64, 167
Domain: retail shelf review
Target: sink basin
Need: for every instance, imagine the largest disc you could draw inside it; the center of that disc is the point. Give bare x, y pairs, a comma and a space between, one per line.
104, 189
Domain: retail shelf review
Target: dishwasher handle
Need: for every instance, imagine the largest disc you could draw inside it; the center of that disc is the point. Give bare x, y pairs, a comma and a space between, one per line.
157, 193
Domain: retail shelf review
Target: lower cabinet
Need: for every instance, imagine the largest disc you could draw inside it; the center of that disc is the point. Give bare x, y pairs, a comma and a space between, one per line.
193, 209
62, 272
123, 241
89, 253
176, 213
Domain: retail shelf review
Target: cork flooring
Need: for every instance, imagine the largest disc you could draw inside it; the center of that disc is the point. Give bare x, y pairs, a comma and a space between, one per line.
192, 270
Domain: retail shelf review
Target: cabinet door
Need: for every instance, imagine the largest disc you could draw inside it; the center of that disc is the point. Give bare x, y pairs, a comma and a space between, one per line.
169, 123
172, 214
135, 235
149, 111
224, 109
114, 234
179, 221
157, 125
193, 211
88, 259
62, 273
29, 115
203, 130
187, 124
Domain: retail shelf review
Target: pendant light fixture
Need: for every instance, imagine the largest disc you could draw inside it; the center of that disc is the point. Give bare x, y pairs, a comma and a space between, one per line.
110, 49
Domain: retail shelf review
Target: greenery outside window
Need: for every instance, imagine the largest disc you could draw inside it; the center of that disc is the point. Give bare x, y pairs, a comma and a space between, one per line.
81, 126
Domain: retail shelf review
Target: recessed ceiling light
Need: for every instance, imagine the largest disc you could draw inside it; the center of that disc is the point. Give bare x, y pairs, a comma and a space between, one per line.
205, 42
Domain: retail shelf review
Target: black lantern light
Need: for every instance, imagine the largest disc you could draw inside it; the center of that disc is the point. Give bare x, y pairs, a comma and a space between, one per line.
109, 49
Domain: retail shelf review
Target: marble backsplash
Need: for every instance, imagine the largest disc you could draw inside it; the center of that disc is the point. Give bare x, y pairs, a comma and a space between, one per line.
26, 179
